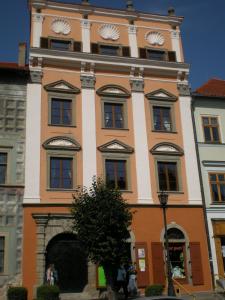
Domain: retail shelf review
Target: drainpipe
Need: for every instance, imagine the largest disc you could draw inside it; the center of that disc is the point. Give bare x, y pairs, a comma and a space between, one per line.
202, 193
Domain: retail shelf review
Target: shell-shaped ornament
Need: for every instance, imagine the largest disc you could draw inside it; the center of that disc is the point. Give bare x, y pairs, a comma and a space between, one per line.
60, 25
155, 38
109, 32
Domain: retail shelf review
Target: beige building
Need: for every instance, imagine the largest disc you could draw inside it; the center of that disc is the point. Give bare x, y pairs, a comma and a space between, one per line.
109, 97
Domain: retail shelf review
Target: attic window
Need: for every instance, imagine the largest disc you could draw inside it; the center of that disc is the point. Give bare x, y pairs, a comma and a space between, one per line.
60, 44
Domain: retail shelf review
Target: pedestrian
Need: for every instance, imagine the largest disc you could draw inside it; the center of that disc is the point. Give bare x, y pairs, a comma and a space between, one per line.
121, 280
132, 286
50, 275
55, 274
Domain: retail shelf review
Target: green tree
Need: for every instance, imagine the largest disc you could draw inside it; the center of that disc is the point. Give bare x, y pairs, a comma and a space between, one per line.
101, 220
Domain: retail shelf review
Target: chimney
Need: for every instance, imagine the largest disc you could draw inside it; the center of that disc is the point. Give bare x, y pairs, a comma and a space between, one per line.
171, 11
22, 55
85, 2
130, 5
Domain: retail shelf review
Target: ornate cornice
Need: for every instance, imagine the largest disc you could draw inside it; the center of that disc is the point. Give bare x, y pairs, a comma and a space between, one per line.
113, 91
36, 76
87, 81
137, 85
61, 143
85, 24
167, 149
116, 146
184, 89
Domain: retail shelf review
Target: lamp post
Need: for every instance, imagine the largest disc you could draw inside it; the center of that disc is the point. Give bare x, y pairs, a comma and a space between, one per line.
163, 199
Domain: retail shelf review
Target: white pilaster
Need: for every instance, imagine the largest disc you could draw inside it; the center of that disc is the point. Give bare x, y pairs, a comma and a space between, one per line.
212, 241
141, 144
193, 183
88, 129
33, 144
85, 29
132, 34
37, 29
175, 37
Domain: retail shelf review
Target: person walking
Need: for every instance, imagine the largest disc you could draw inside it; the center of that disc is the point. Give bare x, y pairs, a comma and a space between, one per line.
121, 280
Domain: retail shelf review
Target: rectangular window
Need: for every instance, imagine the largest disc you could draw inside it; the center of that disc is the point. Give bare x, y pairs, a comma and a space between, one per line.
109, 50
167, 175
217, 184
60, 45
211, 129
113, 115
156, 55
61, 111
3, 167
116, 176
61, 174
2, 253
162, 118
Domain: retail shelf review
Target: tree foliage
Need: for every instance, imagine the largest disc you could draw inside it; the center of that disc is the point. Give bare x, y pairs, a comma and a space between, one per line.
101, 220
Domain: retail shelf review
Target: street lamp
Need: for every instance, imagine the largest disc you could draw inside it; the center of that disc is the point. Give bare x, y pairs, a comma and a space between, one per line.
163, 199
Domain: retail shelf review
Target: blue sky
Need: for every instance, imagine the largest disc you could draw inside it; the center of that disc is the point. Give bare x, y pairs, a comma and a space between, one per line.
203, 31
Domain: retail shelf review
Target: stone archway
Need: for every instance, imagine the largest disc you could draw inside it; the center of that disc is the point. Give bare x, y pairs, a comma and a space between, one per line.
70, 261
49, 226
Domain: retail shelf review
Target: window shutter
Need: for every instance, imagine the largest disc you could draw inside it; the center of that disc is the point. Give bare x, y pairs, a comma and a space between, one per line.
142, 264
77, 46
142, 53
94, 48
172, 56
158, 263
44, 42
126, 51
196, 264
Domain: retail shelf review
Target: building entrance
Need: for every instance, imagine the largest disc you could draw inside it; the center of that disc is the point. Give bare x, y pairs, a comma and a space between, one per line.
65, 253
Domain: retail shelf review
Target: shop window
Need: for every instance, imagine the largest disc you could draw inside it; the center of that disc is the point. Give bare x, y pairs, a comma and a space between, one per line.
177, 253
211, 129
3, 167
116, 175
114, 115
217, 185
2, 254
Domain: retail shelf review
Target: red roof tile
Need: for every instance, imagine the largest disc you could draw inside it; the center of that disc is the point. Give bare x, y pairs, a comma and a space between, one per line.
12, 65
213, 88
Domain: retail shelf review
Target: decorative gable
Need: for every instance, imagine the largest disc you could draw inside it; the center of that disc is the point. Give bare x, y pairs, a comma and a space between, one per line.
62, 143
116, 146
113, 91
162, 95
62, 86
167, 149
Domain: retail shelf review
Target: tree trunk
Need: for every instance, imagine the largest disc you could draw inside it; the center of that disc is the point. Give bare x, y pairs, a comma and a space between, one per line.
110, 274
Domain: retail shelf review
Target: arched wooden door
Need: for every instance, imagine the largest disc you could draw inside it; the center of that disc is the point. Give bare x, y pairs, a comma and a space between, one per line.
65, 253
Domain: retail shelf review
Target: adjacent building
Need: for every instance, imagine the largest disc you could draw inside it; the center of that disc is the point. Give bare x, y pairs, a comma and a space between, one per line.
209, 116
13, 85
109, 96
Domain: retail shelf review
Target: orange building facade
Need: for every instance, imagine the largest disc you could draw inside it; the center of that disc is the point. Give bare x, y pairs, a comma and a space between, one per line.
109, 96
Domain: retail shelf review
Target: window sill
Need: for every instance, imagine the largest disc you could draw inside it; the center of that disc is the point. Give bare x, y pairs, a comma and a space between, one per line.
164, 131
126, 191
171, 192
112, 128
61, 125
60, 190
218, 203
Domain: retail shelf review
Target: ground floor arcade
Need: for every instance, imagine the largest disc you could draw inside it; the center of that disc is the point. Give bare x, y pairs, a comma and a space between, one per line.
48, 239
